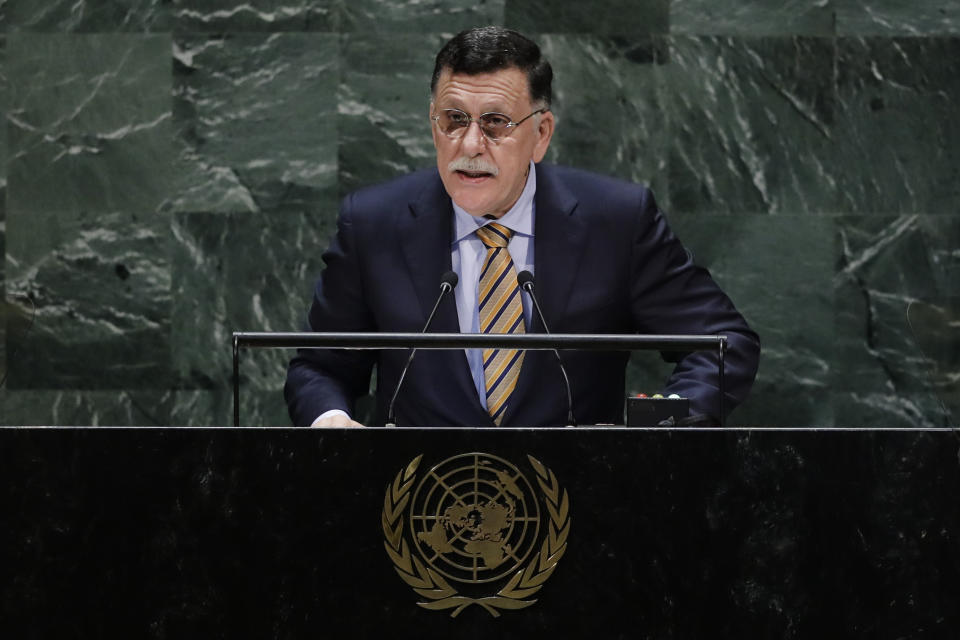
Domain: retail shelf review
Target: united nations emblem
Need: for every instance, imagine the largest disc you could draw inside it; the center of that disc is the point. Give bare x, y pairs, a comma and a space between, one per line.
475, 520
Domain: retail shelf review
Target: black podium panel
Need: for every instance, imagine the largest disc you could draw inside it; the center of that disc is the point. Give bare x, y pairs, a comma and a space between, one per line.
283, 533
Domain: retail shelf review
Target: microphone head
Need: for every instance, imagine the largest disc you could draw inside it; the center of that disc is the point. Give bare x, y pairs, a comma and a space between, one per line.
449, 279
525, 278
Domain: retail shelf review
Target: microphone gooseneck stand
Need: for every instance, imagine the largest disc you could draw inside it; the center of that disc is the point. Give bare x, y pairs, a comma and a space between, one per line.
448, 281
525, 280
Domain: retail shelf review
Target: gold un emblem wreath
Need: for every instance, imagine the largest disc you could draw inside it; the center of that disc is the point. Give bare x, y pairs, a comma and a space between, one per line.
474, 521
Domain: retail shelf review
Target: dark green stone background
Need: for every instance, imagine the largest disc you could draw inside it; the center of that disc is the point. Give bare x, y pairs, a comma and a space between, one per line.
171, 172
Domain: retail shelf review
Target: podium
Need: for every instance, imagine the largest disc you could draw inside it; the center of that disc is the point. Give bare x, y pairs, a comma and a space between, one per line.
665, 533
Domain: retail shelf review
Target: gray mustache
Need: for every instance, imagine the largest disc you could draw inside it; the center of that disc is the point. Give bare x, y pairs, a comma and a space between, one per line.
473, 165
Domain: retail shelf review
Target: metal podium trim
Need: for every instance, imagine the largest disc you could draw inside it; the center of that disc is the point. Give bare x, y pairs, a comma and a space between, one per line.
541, 342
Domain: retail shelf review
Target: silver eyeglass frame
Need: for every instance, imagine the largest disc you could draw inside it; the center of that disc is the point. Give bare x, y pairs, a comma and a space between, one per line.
509, 127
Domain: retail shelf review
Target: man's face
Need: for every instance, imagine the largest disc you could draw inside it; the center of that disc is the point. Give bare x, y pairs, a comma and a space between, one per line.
481, 176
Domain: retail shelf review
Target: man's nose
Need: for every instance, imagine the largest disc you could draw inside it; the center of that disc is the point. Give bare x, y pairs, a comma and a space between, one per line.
474, 142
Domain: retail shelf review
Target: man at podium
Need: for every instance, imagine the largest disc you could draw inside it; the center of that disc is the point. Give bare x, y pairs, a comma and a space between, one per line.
602, 255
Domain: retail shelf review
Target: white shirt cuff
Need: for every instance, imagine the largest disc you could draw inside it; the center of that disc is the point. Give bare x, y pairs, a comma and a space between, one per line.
327, 414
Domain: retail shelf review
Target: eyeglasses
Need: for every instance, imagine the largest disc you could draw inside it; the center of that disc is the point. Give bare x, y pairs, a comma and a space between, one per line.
495, 126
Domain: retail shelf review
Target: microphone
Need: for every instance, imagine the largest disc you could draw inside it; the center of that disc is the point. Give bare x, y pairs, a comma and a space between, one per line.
447, 283
525, 280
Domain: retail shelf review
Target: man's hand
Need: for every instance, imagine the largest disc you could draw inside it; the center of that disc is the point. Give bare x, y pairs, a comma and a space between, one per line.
337, 420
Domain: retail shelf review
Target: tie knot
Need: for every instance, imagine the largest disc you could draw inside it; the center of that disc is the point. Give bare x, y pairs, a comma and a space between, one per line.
494, 235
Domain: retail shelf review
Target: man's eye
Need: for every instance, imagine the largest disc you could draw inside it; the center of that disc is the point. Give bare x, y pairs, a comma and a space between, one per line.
458, 117
496, 120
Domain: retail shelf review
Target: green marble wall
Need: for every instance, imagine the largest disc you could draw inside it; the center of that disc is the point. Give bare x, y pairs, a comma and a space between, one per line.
171, 172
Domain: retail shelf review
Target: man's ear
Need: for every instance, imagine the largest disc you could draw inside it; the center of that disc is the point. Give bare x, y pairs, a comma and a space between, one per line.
544, 133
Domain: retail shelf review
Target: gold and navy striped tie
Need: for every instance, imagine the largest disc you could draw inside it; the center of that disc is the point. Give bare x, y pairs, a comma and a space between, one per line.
501, 311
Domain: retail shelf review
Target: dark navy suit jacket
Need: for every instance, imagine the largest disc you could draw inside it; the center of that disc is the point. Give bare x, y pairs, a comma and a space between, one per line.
605, 262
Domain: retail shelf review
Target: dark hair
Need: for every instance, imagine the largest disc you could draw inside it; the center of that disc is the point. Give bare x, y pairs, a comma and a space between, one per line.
487, 49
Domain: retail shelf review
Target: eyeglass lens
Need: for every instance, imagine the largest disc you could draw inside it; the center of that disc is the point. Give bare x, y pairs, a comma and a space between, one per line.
453, 122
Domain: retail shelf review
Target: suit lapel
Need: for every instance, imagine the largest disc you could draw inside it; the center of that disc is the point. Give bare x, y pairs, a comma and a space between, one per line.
426, 233
558, 245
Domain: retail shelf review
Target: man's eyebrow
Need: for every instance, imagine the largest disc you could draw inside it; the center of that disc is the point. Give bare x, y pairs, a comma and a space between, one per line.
449, 103
456, 102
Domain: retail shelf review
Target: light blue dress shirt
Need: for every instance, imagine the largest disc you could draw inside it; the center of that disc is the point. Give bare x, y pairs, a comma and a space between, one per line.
468, 254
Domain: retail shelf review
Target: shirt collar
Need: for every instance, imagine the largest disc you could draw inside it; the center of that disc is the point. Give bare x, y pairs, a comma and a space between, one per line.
519, 218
